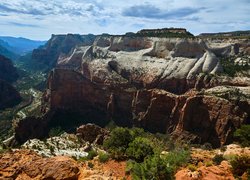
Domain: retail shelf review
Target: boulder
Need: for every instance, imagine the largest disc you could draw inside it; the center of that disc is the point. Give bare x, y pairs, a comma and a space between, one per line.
92, 133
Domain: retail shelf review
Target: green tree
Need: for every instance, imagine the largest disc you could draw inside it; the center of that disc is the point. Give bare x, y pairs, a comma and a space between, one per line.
139, 149
242, 135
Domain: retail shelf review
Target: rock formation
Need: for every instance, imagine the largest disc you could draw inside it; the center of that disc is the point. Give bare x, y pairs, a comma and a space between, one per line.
145, 81
92, 133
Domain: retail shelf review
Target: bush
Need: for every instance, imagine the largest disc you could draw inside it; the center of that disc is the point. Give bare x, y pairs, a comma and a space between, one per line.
118, 142
156, 167
208, 163
240, 165
103, 157
242, 135
91, 155
139, 149
90, 165
218, 158
192, 167
152, 168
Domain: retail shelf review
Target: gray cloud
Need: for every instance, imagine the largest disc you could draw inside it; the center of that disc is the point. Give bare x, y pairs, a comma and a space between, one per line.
152, 12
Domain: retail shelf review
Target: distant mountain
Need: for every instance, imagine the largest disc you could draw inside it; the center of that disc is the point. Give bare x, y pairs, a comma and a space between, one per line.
5, 51
19, 45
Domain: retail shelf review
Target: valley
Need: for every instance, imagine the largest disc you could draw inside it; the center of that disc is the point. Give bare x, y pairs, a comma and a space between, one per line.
156, 104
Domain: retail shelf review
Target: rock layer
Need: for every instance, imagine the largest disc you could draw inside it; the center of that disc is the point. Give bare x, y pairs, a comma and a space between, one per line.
203, 118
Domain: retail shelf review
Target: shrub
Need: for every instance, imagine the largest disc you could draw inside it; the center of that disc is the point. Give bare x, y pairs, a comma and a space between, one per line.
152, 168
91, 155
218, 158
139, 149
208, 163
118, 142
192, 167
240, 165
103, 157
242, 135
156, 167
90, 165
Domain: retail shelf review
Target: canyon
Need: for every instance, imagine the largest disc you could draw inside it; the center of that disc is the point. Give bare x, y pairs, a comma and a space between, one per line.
161, 84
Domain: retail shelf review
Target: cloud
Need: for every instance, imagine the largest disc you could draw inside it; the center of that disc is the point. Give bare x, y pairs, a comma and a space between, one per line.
150, 11
38, 19
48, 7
23, 25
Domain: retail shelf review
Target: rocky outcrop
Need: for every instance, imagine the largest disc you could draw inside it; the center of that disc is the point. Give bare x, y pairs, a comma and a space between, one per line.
92, 133
24, 164
9, 97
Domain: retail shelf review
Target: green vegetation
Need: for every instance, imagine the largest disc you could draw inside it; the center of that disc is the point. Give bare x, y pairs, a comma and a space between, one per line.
103, 157
240, 165
139, 149
91, 154
242, 135
158, 167
218, 158
118, 142
208, 163
143, 152
56, 131
192, 167
90, 165
231, 69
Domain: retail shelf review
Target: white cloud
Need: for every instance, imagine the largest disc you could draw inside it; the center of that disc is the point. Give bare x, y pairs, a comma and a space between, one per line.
38, 19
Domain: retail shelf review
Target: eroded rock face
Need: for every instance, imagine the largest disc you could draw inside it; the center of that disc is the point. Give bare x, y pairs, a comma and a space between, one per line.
204, 118
25, 164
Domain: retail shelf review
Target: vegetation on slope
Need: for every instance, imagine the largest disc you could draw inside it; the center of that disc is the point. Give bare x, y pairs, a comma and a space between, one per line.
143, 152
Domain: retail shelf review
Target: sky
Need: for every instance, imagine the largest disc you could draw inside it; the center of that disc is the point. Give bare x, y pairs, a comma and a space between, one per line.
38, 19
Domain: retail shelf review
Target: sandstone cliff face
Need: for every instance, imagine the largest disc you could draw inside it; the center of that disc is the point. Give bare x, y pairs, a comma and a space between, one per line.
201, 118
172, 64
